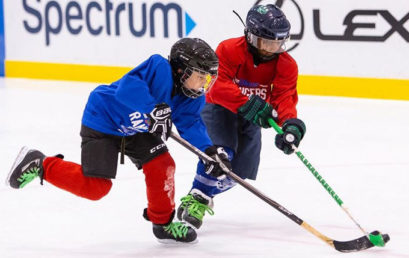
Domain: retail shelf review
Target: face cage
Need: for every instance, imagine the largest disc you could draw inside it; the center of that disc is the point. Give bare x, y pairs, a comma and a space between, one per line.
273, 46
191, 93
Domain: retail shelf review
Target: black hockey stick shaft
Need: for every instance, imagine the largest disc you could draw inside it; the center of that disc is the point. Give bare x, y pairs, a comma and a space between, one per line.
348, 246
236, 178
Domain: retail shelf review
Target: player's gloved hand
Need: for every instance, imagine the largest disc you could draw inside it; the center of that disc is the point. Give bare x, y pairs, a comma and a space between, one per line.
294, 130
221, 158
258, 111
160, 121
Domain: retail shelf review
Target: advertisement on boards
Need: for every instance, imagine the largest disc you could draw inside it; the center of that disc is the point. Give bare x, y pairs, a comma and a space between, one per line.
353, 39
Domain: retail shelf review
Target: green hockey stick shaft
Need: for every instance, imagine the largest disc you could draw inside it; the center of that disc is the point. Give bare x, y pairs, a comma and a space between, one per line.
305, 161
319, 178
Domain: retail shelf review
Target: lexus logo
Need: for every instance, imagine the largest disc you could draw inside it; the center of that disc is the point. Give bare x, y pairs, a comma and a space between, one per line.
396, 25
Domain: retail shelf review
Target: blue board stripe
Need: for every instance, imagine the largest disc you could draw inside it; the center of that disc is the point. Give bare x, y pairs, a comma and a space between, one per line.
2, 43
189, 23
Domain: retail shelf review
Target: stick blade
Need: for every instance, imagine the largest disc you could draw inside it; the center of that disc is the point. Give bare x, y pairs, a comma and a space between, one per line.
356, 245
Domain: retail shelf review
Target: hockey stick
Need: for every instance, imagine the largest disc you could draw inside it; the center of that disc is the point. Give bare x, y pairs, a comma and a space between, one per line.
257, 2
376, 239
355, 245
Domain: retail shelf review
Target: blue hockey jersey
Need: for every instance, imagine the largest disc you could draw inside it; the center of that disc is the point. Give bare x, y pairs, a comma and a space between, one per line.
122, 107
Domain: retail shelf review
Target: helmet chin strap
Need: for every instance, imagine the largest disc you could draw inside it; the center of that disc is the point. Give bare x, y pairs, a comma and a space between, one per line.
257, 57
177, 85
190, 93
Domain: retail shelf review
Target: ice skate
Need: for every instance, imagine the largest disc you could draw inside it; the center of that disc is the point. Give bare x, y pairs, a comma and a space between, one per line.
27, 166
174, 232
193, 208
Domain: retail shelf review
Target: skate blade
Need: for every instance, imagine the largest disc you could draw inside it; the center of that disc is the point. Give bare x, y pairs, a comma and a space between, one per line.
23, 152
174, 242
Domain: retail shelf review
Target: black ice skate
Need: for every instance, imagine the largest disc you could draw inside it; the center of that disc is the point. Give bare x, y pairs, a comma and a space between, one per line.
174, 232
27, 166
193, 208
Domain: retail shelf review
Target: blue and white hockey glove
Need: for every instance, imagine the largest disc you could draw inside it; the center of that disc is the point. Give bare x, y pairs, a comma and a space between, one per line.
293, 131
160, 121
258, 111
220, 157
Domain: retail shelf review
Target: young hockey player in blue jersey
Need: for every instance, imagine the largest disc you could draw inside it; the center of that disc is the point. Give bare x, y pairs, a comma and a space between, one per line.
257, 81
133, 116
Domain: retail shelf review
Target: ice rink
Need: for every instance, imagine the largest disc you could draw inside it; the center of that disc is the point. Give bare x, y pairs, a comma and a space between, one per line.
359, 146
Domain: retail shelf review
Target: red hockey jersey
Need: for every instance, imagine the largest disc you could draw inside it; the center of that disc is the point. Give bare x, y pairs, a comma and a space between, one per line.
274, 81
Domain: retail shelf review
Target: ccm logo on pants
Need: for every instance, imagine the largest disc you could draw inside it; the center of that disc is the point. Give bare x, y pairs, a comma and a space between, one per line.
158, 147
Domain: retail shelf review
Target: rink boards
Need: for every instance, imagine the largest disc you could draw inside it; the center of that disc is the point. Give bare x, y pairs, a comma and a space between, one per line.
348, 48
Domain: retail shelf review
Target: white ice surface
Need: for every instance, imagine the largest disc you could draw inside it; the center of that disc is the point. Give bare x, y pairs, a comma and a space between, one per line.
360, 147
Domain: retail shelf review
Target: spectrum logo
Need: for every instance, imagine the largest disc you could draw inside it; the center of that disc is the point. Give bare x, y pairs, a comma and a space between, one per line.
106, 18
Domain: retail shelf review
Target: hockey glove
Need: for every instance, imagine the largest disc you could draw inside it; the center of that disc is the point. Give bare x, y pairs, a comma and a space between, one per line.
293, 132
220, 157
160, 121
258, 111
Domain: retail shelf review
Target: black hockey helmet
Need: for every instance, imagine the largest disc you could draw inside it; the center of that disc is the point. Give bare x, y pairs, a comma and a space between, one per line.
267, 30
189, 56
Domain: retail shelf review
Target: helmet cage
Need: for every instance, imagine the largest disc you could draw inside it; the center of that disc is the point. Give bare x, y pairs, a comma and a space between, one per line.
207, 78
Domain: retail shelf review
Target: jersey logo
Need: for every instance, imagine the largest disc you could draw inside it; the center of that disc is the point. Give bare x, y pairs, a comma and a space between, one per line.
246, 83
138, 122
252, 88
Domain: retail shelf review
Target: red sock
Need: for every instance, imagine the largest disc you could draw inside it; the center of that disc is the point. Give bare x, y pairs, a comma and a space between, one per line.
68, 176
160, 188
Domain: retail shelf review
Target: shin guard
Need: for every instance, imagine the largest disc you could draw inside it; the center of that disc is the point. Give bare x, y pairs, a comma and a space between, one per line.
160, 188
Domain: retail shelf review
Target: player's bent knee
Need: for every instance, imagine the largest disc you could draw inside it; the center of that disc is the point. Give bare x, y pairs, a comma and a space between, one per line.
168, 162
96, 188
163, 162
160, 168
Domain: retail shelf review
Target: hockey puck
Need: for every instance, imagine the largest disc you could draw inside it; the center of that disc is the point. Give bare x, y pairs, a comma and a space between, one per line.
378, 239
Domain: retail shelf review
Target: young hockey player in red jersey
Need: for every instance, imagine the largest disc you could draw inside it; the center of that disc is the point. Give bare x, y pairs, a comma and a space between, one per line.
257, 81
133, 116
